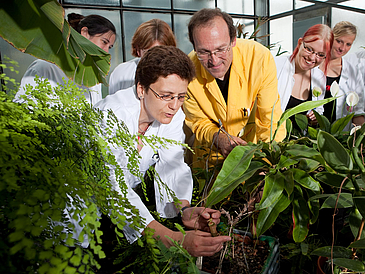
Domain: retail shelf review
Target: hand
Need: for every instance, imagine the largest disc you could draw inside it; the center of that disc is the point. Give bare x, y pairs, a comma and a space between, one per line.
197, 217
199, 243
225, 144
312, 118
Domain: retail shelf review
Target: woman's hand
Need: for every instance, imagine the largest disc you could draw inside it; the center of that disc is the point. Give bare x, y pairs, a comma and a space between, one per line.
312, 118
197, 217
200, 243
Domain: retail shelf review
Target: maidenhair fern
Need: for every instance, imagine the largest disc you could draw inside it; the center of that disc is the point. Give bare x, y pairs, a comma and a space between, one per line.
54, 154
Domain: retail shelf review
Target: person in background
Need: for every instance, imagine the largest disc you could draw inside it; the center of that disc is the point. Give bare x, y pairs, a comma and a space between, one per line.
299, 73
152, 107
149, 34
98, 30
235, 89
347, 75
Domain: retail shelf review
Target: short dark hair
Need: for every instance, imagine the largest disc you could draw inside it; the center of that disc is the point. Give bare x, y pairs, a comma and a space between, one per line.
95, 24
162, 61
204, 17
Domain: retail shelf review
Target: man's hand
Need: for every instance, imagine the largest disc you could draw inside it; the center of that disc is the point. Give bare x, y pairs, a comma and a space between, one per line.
197, 217
199, 243
226, 143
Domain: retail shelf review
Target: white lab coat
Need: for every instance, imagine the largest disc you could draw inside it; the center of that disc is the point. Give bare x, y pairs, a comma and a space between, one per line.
351, 80
55, 76
123, 76
286, 71
169, 162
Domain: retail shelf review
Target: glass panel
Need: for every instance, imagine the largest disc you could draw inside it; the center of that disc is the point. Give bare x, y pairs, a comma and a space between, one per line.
301, 4
360, 4
279, 6
193, 4
181, 32
148, 3
248, 27
131, 22
237, 6
355, 18
94, 2
281, 32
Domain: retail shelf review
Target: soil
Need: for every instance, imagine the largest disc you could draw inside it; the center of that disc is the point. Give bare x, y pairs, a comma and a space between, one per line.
255, 252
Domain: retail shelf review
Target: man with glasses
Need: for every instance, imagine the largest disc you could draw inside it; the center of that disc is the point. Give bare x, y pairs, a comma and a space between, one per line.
235, 90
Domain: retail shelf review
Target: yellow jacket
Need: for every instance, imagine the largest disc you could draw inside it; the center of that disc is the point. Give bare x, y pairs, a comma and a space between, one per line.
253, 75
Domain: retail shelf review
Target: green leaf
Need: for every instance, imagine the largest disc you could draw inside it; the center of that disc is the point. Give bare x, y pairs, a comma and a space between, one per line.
274, 186
302, 121
334, 153
323, 122
355, 219
344, 201
288, 182
42, 31
333, 179
302, 108
269, 215
302, 151
338, 252
354, 265
301, 218
359, 201
236, 169
338, 126
285, 162
312, 132
304, 179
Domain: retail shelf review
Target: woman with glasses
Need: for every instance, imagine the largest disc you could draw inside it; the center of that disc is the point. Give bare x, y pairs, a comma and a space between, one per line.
299, 73
345, 74
153, 108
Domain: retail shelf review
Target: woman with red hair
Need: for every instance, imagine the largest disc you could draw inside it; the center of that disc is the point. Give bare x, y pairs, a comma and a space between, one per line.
299, 73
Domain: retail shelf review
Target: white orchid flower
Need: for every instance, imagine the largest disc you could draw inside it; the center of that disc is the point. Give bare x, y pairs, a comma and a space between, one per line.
316, 91
352, 99
354, 129
334, 89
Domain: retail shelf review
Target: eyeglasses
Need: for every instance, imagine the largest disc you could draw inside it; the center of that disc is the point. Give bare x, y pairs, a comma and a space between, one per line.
320, 55
181, 98
205, 55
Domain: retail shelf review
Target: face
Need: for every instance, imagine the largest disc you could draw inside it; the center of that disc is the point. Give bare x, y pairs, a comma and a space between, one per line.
154, 108
342, 45
214, 38
141, 52
305, 60
104, 41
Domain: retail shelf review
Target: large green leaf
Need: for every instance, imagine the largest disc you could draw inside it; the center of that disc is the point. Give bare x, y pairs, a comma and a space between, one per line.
338, 252
355, 219
333, 179
302, 151
334, 153
301, 108
338, 126
301, 218
301, 120
344, 201
235, 170
38, 27
358, 244
323, 122
274, 186
304, 179
350, 264
269, 215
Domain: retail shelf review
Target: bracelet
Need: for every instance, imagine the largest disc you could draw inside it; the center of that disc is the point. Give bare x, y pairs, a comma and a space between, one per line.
179, 217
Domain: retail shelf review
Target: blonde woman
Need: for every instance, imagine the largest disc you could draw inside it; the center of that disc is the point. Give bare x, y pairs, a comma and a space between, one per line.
345, 74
